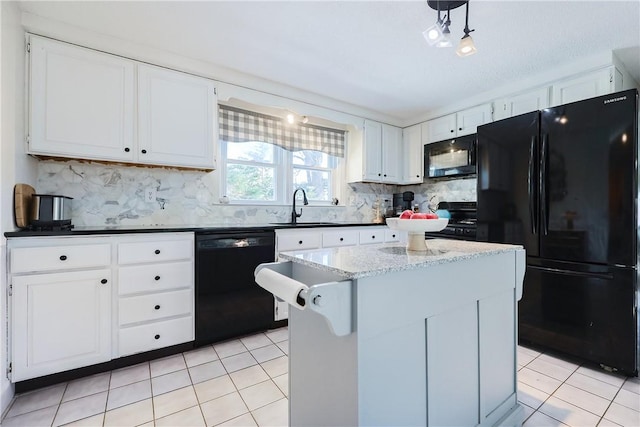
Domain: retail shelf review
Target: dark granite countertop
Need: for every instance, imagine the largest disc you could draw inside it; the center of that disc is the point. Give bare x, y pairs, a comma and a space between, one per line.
122, 229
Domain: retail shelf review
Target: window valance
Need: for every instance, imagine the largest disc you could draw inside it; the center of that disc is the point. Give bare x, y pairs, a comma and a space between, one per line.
237, 125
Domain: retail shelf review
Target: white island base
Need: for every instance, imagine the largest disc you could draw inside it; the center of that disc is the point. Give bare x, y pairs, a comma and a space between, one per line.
431, 344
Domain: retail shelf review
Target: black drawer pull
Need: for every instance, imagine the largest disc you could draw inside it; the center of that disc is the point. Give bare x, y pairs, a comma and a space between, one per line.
373, 237
157, 277
451, 130
342, 239
459, 128
393, 235
157, 307
103, 281
144, 151
157, 336
157, 251
126, 149
299, 242
63, 257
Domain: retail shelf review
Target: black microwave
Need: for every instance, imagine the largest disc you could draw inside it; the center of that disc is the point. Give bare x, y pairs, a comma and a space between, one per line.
450, 158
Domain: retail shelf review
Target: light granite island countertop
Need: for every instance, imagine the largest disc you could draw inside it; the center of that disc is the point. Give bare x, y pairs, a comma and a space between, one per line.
372, 260
383, 336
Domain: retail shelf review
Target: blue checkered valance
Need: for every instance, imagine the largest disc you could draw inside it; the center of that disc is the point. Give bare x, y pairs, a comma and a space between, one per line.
237, 125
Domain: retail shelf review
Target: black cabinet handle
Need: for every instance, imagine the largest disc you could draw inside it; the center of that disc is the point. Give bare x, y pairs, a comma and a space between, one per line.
393, 235
144, 151
299, 242
103, 281
459, 128
157, 277
373, 237
379, 174
126, 149
157, 336
157, 251
417, 176
63, 257
342, 239
452, 130
385, 174
157, 307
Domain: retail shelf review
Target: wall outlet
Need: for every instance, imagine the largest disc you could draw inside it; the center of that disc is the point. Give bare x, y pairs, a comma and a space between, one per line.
150, 195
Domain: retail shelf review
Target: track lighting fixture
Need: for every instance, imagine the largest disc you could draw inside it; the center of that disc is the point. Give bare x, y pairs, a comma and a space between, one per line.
439, 34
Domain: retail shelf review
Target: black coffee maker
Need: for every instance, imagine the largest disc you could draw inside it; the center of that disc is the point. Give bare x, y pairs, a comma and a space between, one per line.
402, 202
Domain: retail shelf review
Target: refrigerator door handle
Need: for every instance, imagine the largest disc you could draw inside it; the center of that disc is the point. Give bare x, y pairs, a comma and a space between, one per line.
532, 187
544, 205
605, 276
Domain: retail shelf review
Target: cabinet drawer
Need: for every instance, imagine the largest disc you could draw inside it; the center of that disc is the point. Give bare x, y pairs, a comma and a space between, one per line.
371, 236
339, 238
155, 306
59, 257
291, 242
155, 335
155, 277
161, 250
391, 236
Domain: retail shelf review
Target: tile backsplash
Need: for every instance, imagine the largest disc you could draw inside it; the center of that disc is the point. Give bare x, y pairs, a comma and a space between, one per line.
105, 194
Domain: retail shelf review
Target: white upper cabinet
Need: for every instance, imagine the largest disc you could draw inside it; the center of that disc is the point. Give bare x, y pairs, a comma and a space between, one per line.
85, 104
391, 152
377, 157
463, 122
441, 128
601, 82
467, 121
176, 114
524, 103
81, 102
413, 155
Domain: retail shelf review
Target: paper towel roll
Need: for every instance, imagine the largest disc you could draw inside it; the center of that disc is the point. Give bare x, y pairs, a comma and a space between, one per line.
281, 286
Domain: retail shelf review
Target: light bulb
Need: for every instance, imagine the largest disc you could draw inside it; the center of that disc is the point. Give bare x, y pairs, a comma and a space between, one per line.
466, 46
433, 34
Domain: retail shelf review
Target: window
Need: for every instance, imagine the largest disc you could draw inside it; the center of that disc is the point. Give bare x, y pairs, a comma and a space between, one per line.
263, 161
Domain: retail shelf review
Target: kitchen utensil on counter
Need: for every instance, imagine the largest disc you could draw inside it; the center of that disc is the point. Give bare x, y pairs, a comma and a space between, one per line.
41, 212
50, 208
21, 204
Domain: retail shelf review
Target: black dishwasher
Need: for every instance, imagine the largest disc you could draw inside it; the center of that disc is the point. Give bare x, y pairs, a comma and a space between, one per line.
228, 302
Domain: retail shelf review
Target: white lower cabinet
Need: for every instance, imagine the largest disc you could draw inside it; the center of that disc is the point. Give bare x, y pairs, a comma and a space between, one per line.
155, 292
80, 301
60, 321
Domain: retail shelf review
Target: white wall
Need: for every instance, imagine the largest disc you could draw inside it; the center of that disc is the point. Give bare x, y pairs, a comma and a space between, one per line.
15, 166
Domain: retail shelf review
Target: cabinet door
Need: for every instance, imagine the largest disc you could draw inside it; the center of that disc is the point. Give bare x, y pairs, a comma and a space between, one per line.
390, 154
372, 151
176, 114
441, 128
413, 155
81, 102
60, 321
583, 87
467, 121
524, 103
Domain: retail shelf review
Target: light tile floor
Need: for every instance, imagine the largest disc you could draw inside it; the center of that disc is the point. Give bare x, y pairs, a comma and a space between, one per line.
244, 382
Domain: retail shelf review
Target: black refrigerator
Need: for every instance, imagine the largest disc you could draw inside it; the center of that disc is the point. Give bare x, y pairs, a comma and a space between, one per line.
563, 182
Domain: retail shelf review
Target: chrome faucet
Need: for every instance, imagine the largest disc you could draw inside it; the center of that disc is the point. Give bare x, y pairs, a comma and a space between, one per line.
294, 214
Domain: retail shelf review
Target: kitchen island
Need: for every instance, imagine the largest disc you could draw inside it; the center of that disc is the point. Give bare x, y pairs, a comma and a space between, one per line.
384, 336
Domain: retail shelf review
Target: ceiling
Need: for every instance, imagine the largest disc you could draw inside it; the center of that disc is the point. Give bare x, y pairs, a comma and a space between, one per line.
369, 53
